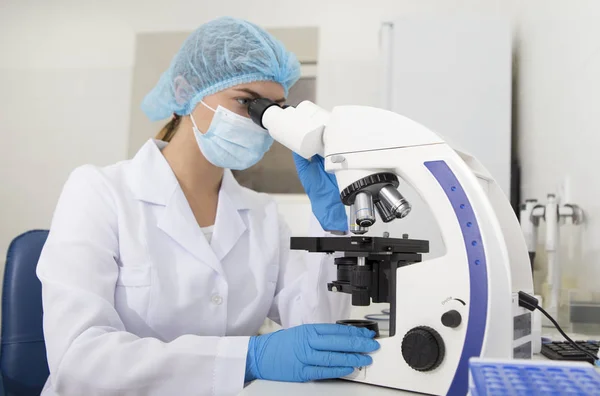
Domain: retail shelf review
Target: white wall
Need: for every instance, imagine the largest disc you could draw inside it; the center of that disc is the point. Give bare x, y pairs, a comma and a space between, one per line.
557, 120
65, 79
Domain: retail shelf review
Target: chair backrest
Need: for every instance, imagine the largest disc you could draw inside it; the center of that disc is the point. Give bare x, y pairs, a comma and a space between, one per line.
22, 350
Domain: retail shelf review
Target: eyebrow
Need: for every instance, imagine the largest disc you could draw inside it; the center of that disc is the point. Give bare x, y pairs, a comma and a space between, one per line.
256, 95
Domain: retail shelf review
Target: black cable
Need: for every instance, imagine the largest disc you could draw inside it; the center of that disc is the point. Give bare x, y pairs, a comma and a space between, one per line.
529, 302
573, 343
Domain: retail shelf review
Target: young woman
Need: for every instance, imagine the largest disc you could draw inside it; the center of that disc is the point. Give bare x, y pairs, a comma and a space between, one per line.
159, 271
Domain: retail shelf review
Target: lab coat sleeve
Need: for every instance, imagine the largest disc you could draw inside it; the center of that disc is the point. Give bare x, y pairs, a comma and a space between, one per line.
301, 294
89, 350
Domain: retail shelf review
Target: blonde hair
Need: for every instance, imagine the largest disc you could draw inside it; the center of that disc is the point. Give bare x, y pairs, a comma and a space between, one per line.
168, 131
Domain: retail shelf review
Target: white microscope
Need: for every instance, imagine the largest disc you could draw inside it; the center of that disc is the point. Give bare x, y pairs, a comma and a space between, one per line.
445, 310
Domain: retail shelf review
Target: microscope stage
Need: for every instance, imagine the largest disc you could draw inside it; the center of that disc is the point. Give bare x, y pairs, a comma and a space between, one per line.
359, 244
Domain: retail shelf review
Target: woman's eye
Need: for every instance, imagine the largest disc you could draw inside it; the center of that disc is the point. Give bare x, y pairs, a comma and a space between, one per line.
243, 101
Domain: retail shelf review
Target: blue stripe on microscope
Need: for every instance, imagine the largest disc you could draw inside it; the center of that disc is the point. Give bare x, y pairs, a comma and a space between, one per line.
478, 282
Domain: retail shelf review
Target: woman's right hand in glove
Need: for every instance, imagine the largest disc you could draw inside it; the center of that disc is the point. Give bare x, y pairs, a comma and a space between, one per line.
309, 352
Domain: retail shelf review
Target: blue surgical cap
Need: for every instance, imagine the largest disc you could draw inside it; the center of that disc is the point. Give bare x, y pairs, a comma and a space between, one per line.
220, 54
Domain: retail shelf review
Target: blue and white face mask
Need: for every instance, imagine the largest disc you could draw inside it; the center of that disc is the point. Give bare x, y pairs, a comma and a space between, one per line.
232, 141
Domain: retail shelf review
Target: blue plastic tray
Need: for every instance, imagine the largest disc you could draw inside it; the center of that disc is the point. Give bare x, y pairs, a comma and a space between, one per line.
532, 378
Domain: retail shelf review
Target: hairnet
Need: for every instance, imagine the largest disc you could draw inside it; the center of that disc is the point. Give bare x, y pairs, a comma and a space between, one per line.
218, 55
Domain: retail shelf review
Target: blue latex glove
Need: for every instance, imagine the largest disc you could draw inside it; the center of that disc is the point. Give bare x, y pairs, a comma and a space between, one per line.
323, 192
309, 352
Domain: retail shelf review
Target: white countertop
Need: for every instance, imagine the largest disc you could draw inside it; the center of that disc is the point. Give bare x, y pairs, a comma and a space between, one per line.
350, 388
325, 388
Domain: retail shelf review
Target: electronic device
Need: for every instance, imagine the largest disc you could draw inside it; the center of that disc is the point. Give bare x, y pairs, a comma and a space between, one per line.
444, 310
561, 350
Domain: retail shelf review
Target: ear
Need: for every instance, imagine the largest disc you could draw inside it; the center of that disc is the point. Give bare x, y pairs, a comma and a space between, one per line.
182, 89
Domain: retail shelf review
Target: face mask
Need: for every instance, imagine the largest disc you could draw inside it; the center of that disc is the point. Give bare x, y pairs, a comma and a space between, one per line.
232, 141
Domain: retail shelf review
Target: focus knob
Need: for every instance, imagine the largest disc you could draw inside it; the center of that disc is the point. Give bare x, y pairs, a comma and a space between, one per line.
451, 319
423, 348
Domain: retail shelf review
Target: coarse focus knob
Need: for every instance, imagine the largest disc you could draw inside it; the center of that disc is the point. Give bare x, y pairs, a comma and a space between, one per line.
423, 348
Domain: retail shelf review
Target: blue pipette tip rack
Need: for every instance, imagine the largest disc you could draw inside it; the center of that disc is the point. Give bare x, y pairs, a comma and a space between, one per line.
532, 378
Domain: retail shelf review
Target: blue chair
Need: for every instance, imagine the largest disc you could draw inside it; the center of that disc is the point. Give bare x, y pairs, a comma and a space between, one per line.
23, 362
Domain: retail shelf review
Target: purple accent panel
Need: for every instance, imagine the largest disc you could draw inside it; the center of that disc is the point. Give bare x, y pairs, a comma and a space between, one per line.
478, 280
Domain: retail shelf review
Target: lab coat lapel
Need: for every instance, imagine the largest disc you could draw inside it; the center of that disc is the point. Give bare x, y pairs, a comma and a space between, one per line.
229, 224
153, 182
178, 221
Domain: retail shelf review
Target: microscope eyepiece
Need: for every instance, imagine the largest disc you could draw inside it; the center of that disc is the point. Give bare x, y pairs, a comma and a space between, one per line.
257, 108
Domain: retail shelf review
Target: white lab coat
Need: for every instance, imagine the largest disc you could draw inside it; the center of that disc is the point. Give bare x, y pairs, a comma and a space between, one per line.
136, 302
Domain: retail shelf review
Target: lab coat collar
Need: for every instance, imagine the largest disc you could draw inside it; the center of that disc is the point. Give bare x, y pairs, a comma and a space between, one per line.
151, 178
229, 224
153, 181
